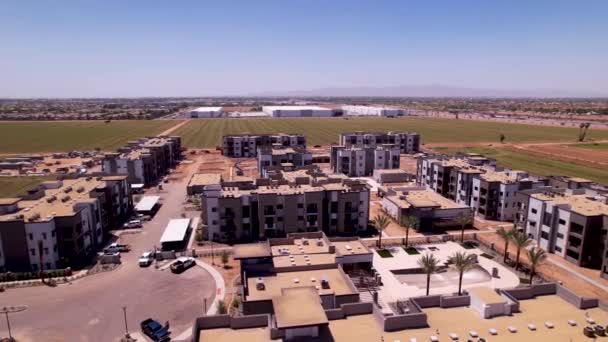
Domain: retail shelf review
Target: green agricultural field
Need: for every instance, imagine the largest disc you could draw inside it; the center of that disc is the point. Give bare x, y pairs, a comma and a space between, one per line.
533, 164
35, 137
205, 133
13, 186
593, 146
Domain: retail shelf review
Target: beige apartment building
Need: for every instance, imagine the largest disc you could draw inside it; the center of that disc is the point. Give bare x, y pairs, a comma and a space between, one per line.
272, 159
407, 142
247, 145
69, 218
144, 161
303, 201
363, 161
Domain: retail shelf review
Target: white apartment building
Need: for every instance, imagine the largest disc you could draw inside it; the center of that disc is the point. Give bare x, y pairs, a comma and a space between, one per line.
351, 110
360, 162
297, 111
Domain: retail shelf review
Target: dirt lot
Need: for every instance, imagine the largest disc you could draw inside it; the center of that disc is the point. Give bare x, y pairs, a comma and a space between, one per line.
569, 153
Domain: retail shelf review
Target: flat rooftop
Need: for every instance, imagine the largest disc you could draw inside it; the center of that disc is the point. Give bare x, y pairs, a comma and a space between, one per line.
578, 203
452, 320
422, 198
274, 284
301, 246
294, 108
351, 247
199, 179
207, 109
298, 307
59, 201
501, 176
486, 295
286, 261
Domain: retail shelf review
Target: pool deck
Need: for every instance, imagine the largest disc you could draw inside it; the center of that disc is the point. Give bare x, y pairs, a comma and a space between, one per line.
393, 290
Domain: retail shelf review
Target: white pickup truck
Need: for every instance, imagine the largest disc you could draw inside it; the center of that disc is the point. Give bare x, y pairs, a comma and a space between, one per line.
146, 259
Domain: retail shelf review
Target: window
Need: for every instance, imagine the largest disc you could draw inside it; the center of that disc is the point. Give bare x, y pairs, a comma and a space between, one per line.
534, 211
44, 236
562, 221
300, 205
32, 251
532, 224
31, 236
560, 235
279, 206
213, 210
558, 249
46, 251
544, 235
53, 233
55, 248
280, 219
48, 265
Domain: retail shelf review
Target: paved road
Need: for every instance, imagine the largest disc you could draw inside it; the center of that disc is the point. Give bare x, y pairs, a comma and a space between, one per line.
91, 308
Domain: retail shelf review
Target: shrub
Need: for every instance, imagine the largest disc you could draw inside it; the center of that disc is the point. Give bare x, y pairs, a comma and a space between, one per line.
221, 308
236, 302
384, 253
411, 251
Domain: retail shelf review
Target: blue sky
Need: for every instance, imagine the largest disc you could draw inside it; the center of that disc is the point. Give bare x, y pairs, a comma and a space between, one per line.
199, 48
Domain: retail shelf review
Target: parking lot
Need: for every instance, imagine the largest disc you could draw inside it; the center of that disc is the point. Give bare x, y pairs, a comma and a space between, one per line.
90, 309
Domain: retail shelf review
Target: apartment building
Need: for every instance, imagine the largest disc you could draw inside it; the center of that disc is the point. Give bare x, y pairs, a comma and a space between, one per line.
247, 145
362, 161
302, 203
282, 158
69, 218
408, 142
297, 111
477, 182
431, 209
351, 110
144, 161
569, 223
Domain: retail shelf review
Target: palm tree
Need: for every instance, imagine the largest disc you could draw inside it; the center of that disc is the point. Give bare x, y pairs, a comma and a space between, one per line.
381, 221
520, 240
429, 264
409, 222
464, 219
506, 235
536, 256
462, 262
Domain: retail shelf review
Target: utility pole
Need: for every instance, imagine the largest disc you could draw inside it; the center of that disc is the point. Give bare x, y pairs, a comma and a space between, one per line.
11, 309
124, 311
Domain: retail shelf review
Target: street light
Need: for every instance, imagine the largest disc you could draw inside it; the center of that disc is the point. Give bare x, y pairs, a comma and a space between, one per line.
11, 309
124, 311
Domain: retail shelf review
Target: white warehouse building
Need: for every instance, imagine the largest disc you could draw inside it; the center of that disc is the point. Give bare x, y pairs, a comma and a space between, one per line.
297, 111
206, 112
371, 111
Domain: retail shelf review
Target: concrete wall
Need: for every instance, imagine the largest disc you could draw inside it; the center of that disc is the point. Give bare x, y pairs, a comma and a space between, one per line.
353, 309
252, 321
333, 314
347, 299
408, 321
454, 301
225, 321
572, 298
427, 301
257, 307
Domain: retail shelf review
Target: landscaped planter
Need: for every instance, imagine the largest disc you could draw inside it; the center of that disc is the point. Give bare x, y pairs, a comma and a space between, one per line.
384, 253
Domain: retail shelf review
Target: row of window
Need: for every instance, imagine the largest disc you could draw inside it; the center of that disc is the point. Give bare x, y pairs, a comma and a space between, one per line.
44, 235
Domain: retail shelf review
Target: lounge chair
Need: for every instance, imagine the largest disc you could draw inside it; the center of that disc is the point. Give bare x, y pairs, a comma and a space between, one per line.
532, 327
572, 322
549, 324
512, 329
493, 331
590, 320
473, 333
453, 336
600, 330
589, 331
434, 338
413, 339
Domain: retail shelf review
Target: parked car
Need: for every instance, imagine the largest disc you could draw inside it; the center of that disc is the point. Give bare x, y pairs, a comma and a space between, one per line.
116, 247
146, 259
133, 224
182, 264
155, 331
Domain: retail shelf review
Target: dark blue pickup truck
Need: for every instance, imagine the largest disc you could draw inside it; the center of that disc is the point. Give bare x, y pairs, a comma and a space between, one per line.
155, 331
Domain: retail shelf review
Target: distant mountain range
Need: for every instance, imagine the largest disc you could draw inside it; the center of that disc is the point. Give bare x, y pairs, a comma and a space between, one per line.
431, 91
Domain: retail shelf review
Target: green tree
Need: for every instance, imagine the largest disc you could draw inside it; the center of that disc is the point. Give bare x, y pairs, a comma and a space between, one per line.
536, 257
520, 240
463, 219
462, 262
506, 235
409, 222
225, 258
221, 308
429, 265
502, 138
381, 221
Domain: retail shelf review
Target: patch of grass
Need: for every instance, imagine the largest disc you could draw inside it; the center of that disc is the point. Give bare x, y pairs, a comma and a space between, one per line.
535, 165
205, 133
487, 256
384, 253
469, 245
593, 146
34, 137
14, 186
411, 250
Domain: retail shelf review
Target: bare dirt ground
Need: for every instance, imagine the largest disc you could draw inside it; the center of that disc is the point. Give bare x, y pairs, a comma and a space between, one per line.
555, 273
568, 153
176, 126
529, 118
408, 163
